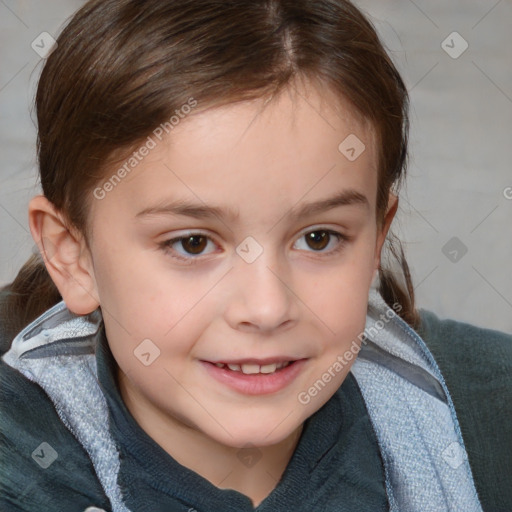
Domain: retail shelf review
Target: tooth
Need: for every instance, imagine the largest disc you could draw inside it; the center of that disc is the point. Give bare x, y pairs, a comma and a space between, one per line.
269, 368
250, 368
234, 367
220, 365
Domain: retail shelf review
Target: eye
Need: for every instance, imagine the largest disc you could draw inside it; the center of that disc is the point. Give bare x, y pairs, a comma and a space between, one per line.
319, 239
192, 245
188, 249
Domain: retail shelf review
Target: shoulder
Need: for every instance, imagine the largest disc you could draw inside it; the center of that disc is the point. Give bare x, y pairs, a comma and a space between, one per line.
44, 466
476, 364
467, 349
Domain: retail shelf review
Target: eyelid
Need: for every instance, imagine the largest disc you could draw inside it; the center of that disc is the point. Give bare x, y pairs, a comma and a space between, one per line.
323, 227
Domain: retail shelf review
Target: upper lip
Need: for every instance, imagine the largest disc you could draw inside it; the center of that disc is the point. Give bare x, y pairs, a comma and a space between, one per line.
260, 362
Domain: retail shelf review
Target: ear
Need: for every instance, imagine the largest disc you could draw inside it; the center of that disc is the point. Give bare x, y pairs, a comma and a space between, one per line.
381, 235
65, 255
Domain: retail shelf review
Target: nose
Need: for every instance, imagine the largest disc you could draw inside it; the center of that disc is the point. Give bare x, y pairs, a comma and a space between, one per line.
261, 298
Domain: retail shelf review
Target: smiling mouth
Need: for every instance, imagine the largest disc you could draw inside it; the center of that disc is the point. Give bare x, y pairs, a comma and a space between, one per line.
252, 369
256, 377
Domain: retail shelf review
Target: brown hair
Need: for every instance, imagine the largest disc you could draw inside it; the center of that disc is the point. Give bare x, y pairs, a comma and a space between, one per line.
122, 67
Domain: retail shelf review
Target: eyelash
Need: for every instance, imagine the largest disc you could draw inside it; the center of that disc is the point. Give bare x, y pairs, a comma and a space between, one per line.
166, 246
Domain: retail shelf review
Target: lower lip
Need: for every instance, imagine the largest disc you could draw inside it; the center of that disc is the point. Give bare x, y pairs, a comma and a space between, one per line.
259, 383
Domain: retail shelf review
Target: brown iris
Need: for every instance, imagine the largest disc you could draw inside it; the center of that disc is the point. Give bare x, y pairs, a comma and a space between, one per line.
318, 240
194, 244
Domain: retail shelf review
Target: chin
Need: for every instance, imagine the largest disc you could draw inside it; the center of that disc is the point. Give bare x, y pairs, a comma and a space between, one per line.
251, 432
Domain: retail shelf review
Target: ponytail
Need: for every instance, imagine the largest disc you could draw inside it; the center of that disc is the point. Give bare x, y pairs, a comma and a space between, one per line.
30, 294
392, 290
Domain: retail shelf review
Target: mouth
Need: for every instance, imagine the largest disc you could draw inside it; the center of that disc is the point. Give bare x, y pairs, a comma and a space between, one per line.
255, 378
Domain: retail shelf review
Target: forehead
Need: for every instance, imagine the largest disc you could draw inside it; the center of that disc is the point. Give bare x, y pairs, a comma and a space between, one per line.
254, 155
306, 108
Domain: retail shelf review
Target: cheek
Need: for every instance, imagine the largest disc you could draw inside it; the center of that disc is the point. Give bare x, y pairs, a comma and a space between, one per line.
130, 289
341, 294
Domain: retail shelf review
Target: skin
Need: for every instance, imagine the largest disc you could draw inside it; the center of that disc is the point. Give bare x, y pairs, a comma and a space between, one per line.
295, 299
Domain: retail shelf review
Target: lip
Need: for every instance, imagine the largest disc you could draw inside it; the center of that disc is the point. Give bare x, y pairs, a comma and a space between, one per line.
261, 362
256, 384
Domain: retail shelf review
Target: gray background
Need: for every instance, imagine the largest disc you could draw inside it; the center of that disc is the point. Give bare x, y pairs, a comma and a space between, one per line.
459, 189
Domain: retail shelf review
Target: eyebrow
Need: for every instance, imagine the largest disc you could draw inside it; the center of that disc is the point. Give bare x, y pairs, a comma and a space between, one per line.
202, 211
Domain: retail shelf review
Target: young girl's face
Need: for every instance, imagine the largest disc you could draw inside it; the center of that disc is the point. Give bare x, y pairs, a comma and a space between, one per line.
268, 272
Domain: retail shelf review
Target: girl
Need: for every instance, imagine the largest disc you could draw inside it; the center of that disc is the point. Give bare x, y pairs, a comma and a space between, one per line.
200, 331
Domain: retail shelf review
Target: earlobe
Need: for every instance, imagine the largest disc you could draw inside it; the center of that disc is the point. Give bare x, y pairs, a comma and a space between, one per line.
65, 255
